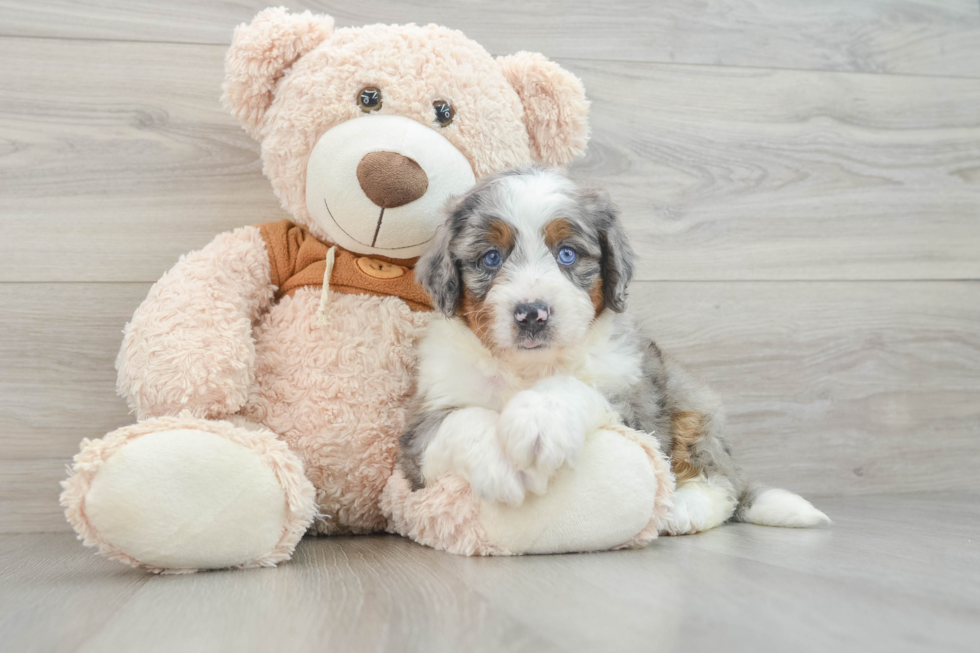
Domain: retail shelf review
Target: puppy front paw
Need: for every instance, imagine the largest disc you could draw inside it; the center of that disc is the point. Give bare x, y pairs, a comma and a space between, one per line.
538, 433
499, 482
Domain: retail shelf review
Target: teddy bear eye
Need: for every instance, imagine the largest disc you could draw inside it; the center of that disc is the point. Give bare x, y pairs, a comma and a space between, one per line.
369, 99
444, 112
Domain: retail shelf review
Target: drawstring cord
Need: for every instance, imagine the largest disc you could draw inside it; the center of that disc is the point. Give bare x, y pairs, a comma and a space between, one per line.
321, 313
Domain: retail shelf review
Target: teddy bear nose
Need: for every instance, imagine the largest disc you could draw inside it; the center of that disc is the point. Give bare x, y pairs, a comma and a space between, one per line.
390, 179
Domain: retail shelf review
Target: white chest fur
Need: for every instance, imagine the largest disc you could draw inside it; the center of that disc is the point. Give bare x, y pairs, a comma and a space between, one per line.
457, 370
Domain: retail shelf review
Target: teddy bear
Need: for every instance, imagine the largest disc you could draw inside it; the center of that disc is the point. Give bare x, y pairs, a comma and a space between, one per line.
270, 370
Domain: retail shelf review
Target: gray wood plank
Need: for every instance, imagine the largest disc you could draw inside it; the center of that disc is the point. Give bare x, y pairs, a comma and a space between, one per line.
344, 594
120, 158
867, 583
117, 160
831, 388
891, 36
933, 539
29, 490
672, 594
835, 387
57, 357
752, 174
55, 594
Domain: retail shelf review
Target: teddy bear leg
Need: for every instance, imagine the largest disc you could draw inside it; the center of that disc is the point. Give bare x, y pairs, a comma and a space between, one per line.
181, 494
616, 496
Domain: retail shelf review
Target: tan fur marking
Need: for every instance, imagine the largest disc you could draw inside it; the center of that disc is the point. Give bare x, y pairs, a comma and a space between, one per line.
598, 299
685, 428
477, 317
557, 231
501, 234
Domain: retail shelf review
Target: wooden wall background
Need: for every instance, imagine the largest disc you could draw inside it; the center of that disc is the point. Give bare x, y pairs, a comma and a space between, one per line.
801, 179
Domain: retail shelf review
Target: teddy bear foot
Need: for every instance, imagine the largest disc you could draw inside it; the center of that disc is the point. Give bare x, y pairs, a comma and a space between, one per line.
181, 494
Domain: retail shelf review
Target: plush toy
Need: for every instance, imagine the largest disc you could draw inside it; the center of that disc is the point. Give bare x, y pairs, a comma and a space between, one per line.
269, 371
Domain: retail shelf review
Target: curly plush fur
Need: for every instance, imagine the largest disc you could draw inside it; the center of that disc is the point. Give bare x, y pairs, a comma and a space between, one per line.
212, 343
337, 396
189, 345
508, 112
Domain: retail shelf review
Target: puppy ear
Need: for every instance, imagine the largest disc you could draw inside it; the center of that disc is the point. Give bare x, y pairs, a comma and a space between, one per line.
617, 253
555, 108
260, 53
436, 270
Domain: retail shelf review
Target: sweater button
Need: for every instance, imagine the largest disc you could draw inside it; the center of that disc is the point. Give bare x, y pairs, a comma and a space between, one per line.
379, 269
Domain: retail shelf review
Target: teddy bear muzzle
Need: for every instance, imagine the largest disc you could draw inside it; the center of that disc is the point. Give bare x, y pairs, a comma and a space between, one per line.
377, 184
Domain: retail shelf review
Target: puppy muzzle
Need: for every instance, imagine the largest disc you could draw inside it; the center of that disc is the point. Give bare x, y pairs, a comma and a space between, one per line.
531, 319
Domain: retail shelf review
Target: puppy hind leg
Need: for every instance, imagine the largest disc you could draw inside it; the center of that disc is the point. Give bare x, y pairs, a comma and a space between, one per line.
700, 504
706, 495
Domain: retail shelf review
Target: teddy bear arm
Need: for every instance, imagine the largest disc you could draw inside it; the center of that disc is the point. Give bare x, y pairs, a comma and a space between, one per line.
189, 345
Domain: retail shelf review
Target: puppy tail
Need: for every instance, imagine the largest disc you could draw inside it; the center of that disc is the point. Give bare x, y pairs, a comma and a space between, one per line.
769, 506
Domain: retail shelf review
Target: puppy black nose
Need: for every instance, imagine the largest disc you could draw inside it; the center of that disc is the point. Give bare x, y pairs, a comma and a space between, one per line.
531, 318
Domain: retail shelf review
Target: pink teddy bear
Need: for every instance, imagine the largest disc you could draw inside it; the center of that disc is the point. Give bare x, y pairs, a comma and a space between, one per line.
269, 371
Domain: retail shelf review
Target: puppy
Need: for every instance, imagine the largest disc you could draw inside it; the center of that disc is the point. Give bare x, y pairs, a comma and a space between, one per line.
536, 351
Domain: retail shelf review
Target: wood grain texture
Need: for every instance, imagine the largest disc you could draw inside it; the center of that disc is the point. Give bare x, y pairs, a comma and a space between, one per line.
880, 36
835, 387
893, 573
55, 594
345, 594
29, 490
831, 388
57, 376
117, 158
757, 174
687, 593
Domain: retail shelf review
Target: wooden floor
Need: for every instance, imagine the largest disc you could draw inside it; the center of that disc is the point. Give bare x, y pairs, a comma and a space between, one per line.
801, 181
892, 574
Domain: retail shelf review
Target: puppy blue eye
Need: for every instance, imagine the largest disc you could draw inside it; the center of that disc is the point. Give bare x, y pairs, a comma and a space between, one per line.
566, 256
492, 258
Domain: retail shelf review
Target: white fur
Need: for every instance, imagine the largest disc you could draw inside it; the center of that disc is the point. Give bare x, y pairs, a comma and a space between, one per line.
338, 205
223, 508
535, 414
466, 444
776, 507
456, 369
699, 505
543, 428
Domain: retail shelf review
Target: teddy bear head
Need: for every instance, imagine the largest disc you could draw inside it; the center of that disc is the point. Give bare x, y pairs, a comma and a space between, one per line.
366, 132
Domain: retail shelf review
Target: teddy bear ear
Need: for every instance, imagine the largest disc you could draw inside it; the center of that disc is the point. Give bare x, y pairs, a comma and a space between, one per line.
260, 53
556, 110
